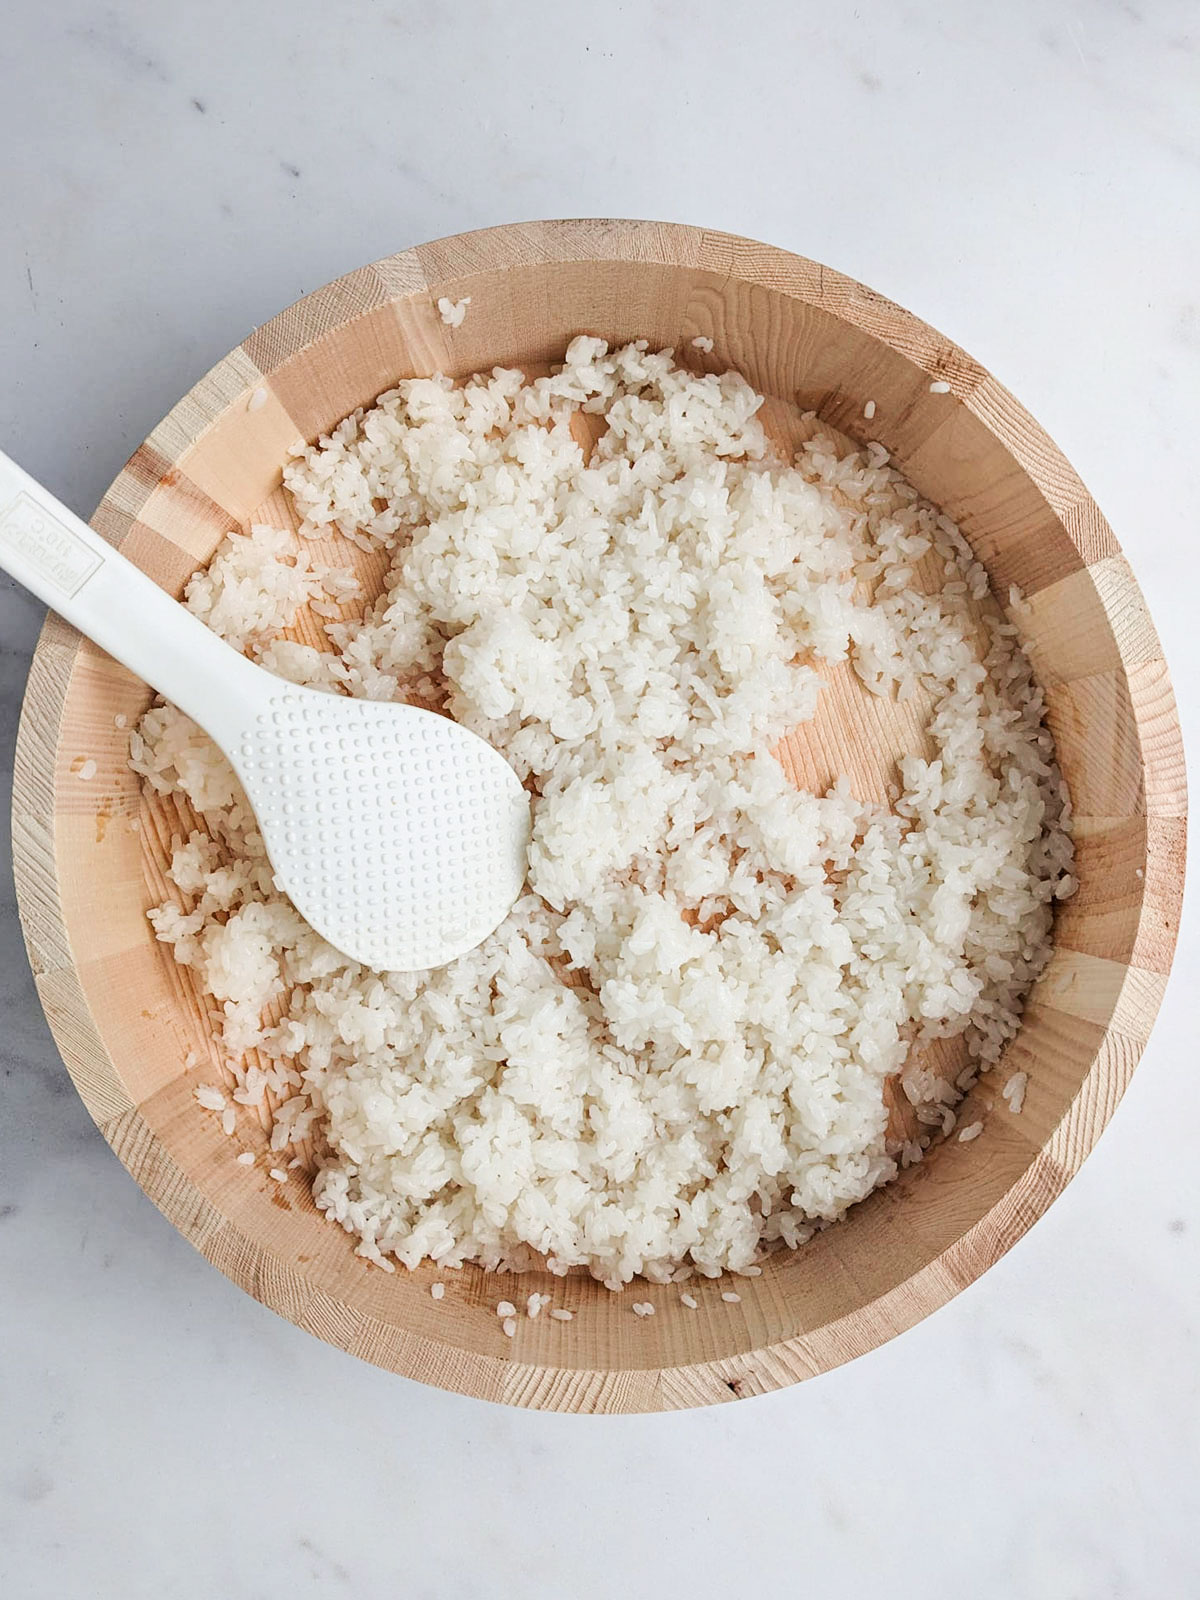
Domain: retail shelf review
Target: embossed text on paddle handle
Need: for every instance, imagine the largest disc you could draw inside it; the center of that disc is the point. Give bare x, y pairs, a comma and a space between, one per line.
47, 546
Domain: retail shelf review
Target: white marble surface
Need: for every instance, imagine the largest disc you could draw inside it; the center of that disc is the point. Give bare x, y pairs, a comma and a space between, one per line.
1026, 177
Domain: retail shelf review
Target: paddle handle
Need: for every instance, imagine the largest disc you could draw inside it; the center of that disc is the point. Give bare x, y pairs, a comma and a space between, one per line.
65, 563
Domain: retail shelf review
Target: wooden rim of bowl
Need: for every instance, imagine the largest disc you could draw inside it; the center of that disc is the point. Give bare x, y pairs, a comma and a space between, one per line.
410, 283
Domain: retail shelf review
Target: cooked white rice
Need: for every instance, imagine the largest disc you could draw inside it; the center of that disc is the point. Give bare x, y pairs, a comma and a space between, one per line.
452, 312
1014, 1092
674, 1051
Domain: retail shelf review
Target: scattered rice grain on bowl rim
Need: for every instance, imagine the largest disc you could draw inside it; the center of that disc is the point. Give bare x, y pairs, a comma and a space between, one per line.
971, 1131
749, 964
1014, 1092
452, 312
731, 1298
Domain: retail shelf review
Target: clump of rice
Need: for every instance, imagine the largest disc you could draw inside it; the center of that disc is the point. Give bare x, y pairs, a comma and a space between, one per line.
673, 1053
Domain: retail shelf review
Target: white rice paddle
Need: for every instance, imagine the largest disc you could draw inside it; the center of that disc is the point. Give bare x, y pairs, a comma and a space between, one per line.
400, 836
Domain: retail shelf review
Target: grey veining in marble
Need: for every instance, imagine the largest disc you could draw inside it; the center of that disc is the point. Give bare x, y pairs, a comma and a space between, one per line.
1026, 176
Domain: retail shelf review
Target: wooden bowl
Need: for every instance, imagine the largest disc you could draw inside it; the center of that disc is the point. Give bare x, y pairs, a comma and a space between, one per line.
90, 854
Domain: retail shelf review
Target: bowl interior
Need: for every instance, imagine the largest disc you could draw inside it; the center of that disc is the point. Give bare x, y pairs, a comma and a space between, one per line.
136, 1034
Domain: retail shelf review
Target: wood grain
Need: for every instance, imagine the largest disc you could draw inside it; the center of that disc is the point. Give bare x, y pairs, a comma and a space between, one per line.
90, 855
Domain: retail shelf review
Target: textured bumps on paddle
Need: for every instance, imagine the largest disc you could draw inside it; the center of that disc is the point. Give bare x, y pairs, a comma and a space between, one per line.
399, 835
